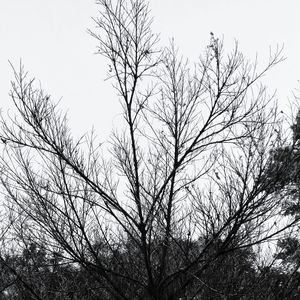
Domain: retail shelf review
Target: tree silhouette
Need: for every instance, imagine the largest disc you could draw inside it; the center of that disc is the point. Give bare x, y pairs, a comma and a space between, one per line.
181, 191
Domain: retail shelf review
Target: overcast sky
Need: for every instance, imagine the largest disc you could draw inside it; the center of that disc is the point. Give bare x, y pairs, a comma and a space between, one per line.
51, 39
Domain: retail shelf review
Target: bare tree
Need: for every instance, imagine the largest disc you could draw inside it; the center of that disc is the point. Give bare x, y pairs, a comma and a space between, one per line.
183, 184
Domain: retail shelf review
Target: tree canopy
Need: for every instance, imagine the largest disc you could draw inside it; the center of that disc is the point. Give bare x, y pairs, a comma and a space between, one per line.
198, 179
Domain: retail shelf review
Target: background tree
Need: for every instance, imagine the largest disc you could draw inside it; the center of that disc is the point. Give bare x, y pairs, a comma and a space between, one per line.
284, 164
183, 188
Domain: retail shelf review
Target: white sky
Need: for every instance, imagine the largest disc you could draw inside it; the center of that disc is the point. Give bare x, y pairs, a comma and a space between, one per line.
51, 39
